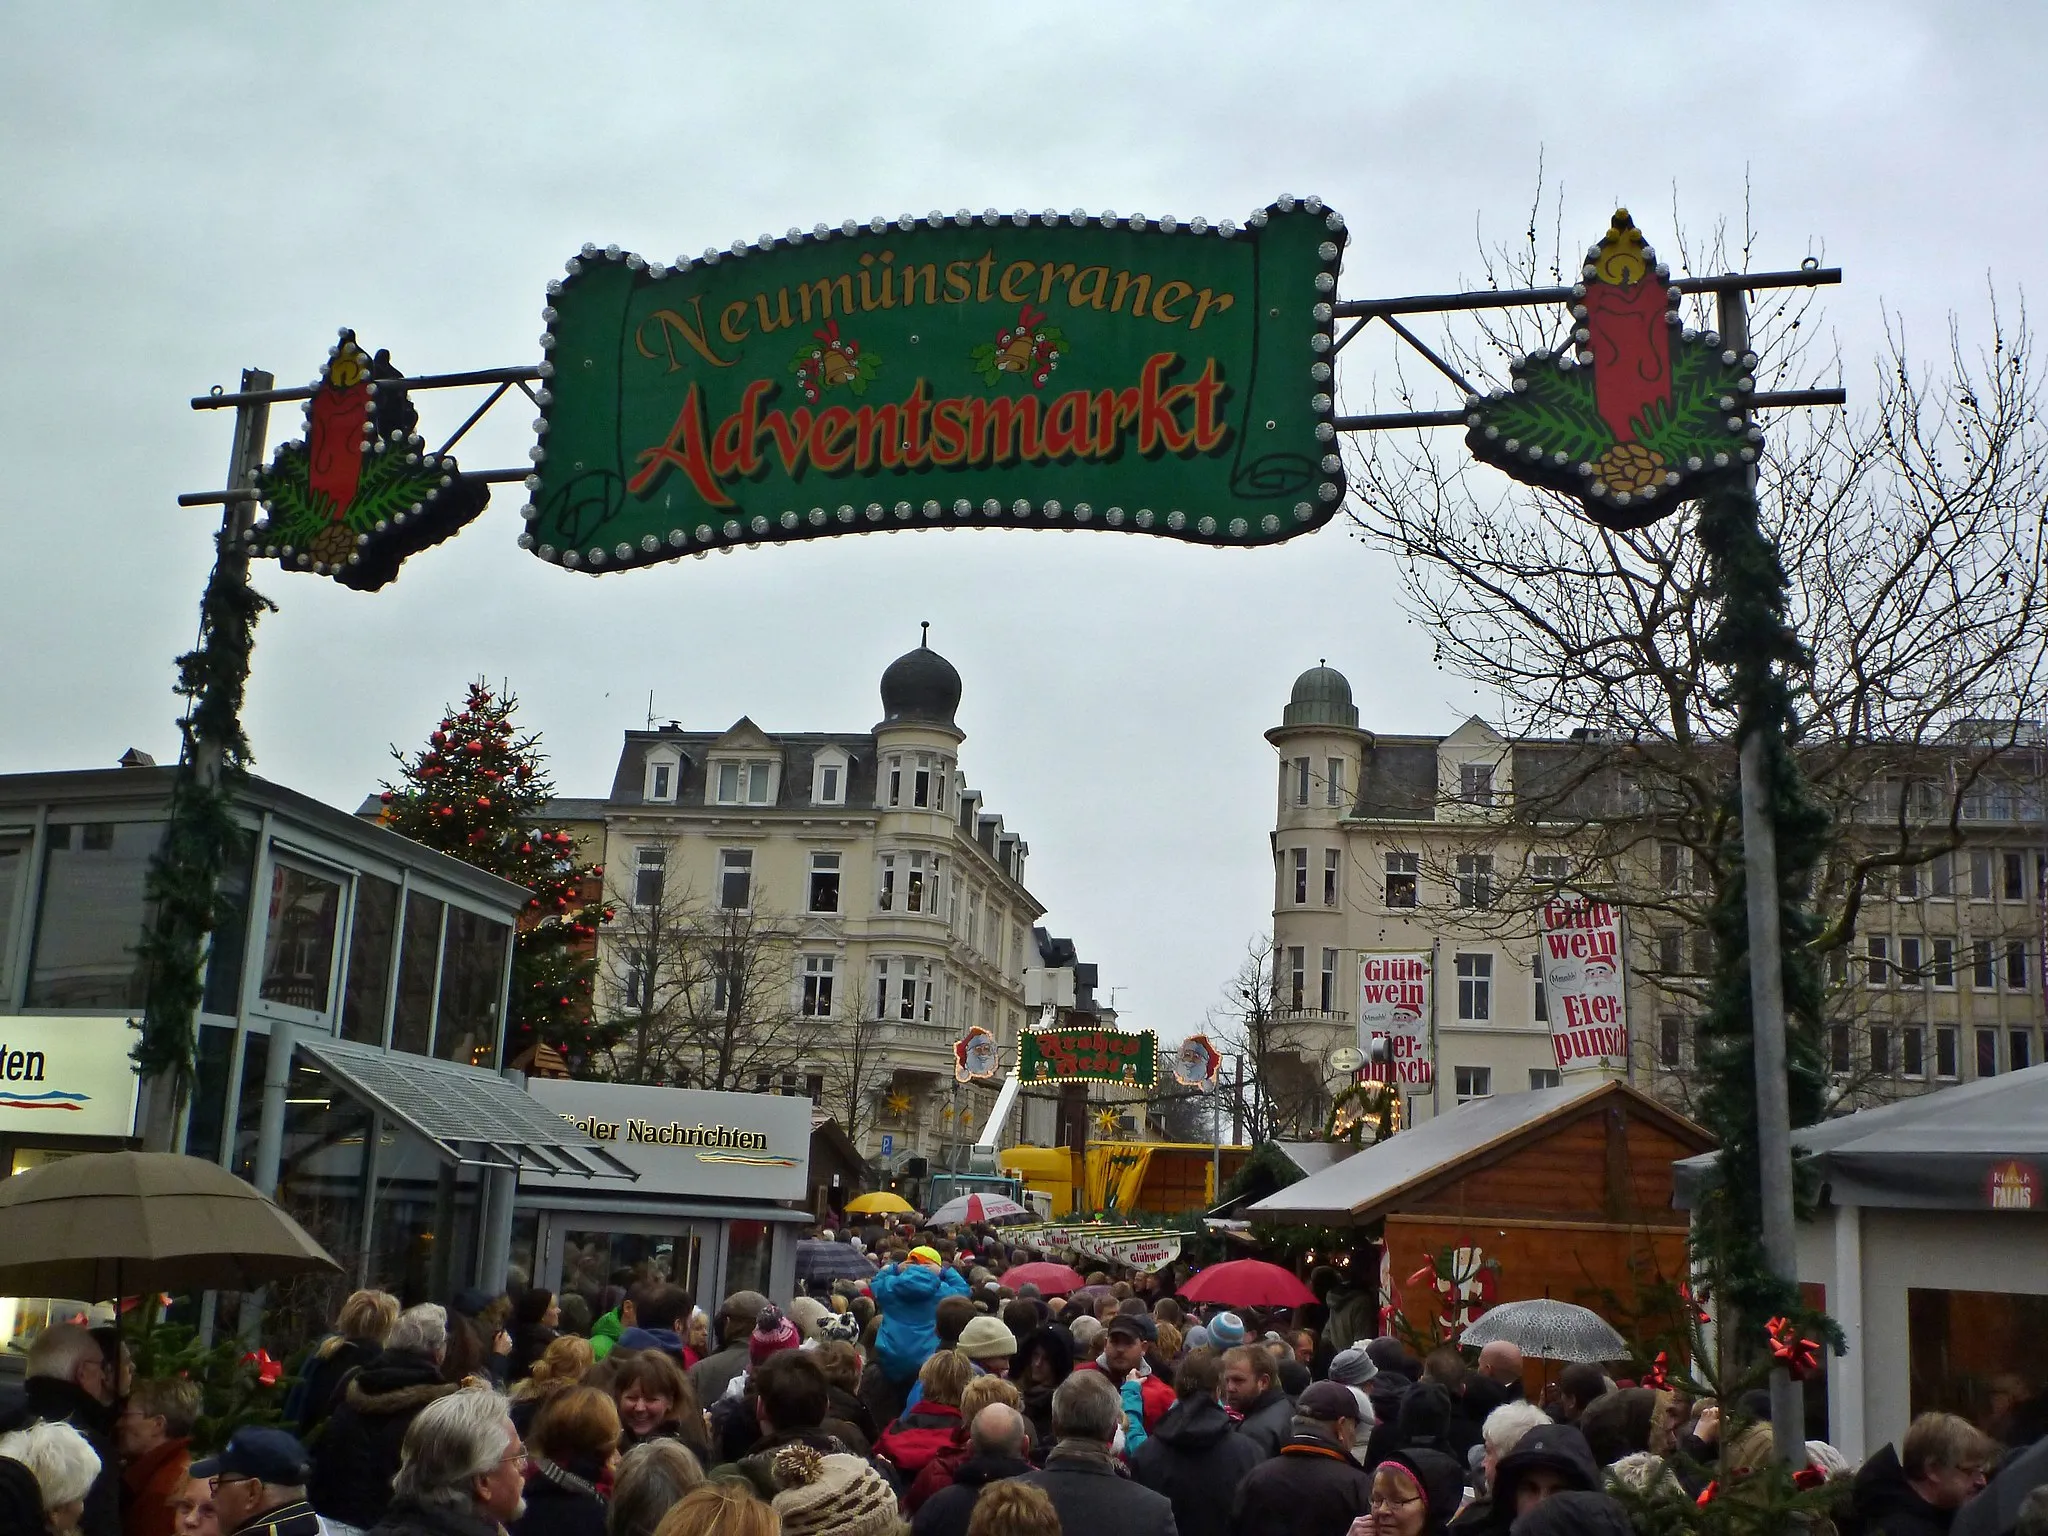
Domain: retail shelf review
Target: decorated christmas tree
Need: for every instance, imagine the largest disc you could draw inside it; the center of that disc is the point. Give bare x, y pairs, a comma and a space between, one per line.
479, 790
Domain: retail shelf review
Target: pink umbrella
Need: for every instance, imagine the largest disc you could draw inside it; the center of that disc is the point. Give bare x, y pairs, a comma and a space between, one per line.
1051, 1279
1247, 1283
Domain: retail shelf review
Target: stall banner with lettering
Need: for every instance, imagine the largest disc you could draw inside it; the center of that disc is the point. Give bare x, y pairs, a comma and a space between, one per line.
1087, 1056
1586, 980
1069, 370
1393, 1005
67, 1076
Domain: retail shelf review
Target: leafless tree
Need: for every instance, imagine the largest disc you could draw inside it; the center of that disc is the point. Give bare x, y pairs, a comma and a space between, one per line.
857, 1070
1280, 1091
1911, 527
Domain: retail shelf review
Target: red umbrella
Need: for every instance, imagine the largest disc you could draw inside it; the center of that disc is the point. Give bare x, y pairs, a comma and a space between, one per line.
1051, 1279
1247, 1283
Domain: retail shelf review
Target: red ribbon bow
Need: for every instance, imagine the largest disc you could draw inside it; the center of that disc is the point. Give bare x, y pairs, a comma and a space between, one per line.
267, 1370
1699, 1313
1800, 1356
1809, 1477
1658, 1376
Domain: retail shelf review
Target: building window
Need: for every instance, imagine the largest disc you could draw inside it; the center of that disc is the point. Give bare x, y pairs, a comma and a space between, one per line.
895, 781
1544, 1077
1301, 877
1550, 869
1472, 1083
1542, 995
883, 970
1880, 1049
1475, 988
2012, 882
1909, 961
1983, 966
918, 895
2019, 1050
1912, 1052
1331, 859
1944, 971
89, 915
1941, 875
1301, 781
1908, 884
1475, 783
745, 783
824, 882
817, 993
974, 921
2016, 966
1401, 879
1328, 995
1333, 775
1018, 954
828, 782
1838, 1049
1947, 1050
1674, 866
921, 783
1878, 947
885, 898
649, 867
661, 783
1297, 977
736, 879
1670, 1041
1980, 874
1671, 952
1987, 1053
1838, 967
1475, 880
298, 943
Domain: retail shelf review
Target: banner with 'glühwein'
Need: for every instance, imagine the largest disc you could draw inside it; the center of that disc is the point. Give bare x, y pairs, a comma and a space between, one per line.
1393, 1005
1586, 981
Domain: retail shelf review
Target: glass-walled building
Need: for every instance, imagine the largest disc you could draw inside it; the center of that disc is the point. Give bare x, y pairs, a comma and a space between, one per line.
359, 977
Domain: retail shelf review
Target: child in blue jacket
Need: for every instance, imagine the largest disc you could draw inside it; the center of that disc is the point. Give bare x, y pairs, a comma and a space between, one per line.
908, 1295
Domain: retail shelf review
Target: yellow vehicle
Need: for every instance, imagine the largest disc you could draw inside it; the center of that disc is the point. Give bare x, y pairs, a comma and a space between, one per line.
1161, 1177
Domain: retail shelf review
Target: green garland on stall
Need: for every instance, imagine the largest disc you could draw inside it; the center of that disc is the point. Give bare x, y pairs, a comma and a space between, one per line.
1754, 643
184, 874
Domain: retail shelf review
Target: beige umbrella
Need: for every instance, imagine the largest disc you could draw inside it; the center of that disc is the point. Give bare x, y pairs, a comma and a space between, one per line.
107, 1224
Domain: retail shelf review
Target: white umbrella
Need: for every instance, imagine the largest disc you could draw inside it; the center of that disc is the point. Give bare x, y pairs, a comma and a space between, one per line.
1548, 1330
972, 1210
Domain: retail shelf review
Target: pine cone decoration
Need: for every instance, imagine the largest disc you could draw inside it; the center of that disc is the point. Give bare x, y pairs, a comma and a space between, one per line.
1629, 467
333, 544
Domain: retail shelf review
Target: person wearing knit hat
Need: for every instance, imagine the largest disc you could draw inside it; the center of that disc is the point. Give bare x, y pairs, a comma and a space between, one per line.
832, 1495
807, 1312
1353, 1366
988, 1342
929, 1256
1226, 1330
842, 1327
772, 1334
1197, 1337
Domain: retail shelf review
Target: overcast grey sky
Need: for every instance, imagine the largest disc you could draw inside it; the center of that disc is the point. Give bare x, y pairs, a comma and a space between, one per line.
188, 189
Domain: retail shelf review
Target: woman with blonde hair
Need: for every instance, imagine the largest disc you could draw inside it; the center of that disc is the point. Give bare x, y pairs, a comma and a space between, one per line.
1011, 1508
720, 1509
360, 1328
559, 1369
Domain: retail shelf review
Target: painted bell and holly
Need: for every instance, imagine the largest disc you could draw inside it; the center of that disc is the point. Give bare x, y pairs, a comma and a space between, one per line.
1640, 414
359, 492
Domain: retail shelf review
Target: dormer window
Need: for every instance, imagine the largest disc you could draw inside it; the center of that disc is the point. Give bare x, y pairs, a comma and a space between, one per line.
828, 777
1475, 783
664, 774
744, 783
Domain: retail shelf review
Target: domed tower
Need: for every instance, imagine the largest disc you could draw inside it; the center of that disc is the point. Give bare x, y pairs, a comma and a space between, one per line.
917, 744
1320, 747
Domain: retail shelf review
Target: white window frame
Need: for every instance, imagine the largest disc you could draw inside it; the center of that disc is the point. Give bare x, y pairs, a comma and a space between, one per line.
643, 865
1474, 970
664, 777
1474, 881
1470, 1083
816, 999
1302, 781
1409, 870
1326, 994
1333, 873
753, 781
825, 862
730, 862
1301, 877
834, 762
1333, 788
1476, 784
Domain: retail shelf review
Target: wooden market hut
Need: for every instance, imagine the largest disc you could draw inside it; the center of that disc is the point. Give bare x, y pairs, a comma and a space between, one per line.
1561, 1192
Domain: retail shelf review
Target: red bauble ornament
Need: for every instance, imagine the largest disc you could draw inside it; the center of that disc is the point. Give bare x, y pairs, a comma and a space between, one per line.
386, 797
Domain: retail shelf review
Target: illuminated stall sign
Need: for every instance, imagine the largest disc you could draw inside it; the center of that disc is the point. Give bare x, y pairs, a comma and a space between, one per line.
1023, 370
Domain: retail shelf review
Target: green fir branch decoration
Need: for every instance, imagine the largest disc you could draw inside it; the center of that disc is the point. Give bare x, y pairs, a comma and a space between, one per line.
1555, 413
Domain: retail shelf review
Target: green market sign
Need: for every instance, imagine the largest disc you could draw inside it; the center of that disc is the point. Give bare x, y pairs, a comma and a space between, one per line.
1024, 370
1640, 414
1087, 1056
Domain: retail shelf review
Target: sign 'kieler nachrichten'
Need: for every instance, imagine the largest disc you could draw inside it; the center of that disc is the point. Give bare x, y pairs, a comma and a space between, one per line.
1034, 370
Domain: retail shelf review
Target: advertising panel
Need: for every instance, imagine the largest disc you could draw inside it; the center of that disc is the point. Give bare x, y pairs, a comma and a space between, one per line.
1393, 1005
1087, 1056
67, 1076
687, 1141
1587, 982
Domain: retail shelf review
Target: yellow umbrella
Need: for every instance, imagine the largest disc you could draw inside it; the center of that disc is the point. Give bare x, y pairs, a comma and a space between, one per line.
880, 1203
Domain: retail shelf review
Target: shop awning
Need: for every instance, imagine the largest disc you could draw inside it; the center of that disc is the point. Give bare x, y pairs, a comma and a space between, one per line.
1978, 1146
467, 1114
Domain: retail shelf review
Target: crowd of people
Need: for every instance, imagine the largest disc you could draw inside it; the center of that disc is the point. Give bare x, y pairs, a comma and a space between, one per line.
932, 1400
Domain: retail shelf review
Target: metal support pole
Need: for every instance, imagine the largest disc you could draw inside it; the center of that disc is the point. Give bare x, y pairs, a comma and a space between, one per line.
164, 1096
277, 1077
1767, 1008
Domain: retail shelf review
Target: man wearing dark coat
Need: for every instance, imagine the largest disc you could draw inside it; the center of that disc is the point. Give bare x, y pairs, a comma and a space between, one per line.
1087, 1488
1313, 1487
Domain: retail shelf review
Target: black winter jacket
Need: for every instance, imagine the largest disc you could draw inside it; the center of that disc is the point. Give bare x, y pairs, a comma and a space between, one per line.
947, 1512
358, 1452
1884, 1503
408, 1519
1269, 1422
559, 1503
1312, 1488
1196, 1457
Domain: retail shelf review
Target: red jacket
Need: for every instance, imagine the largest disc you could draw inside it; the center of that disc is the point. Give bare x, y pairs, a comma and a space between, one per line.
938, 1472
914, 1440
1155, 1394
148, 1484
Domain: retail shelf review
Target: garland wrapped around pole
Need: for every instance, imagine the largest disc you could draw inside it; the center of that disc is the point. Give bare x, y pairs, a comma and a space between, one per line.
200, 834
